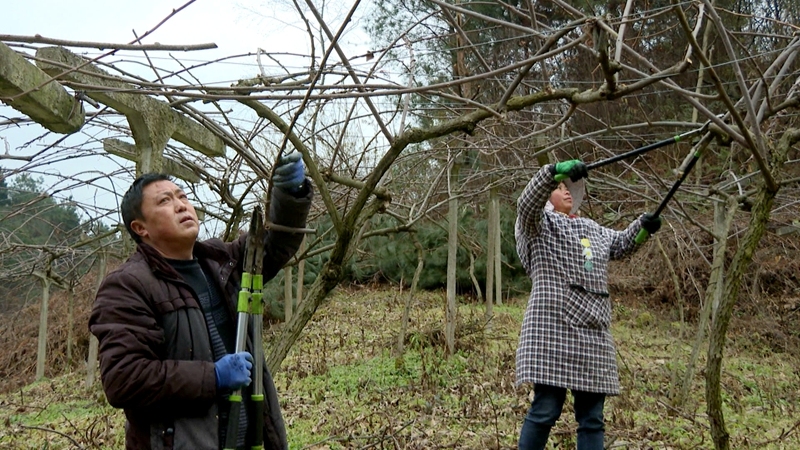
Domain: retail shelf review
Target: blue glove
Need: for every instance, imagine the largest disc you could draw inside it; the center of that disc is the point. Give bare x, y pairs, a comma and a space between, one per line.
233, 370
290, 173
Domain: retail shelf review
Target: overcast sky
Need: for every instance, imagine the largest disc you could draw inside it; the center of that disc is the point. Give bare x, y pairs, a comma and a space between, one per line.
236, 26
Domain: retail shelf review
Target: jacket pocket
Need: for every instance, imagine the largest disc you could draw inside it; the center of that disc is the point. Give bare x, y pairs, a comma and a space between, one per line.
162, 436
585, 310
187, 433
197, 433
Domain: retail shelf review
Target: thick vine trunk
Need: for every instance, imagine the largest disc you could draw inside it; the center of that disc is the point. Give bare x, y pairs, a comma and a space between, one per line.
759, 215
329, 277
723, 218
719, 326
327, 280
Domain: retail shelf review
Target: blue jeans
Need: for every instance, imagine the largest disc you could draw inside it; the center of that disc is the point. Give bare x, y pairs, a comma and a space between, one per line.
546, 409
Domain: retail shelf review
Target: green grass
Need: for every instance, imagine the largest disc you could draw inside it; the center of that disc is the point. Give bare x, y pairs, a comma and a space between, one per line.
342, 386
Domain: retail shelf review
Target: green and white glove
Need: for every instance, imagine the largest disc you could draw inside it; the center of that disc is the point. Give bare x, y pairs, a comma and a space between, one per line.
650, 224
573, 169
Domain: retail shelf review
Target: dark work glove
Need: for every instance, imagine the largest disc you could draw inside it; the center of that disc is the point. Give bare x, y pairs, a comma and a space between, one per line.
573, 169
290, 174
650, 222
233, 370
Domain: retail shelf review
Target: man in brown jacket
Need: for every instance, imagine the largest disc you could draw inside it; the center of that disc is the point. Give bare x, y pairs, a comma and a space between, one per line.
166, 318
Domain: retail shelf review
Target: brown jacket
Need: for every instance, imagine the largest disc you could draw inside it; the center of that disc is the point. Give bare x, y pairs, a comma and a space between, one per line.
156, 359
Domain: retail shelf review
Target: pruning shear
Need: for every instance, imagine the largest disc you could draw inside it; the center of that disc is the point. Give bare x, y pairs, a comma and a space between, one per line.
684, 170
641, 150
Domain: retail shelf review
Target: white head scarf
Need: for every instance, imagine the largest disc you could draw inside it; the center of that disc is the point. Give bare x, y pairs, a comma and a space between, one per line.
576, 191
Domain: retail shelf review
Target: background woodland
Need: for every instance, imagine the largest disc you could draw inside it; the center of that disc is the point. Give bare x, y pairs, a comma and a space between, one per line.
418, 151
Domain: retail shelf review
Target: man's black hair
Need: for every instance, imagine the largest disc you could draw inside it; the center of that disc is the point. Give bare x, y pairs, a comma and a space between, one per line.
131, 207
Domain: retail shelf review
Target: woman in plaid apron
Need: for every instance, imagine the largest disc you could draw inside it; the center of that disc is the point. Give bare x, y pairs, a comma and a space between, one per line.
565, 341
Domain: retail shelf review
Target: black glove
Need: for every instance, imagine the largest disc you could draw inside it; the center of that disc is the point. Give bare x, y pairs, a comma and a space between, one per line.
651, 223
573, 169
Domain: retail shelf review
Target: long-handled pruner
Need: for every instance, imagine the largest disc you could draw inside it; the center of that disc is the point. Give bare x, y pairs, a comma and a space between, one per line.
250, 304
684, 170
639, 151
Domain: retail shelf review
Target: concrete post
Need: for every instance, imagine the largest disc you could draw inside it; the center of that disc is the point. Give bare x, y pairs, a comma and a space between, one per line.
152, 122
50, 105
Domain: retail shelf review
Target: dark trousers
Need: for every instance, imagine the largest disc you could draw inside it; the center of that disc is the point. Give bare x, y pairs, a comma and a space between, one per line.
545, 410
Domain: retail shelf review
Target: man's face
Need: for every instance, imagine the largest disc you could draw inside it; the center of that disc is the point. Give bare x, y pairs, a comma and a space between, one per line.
169, 221
561, 199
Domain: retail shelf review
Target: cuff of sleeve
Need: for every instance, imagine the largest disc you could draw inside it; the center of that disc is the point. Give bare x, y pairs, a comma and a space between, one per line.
209, 383
301, 190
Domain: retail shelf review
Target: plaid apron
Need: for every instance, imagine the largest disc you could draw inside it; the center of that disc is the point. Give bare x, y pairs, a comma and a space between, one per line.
565, 339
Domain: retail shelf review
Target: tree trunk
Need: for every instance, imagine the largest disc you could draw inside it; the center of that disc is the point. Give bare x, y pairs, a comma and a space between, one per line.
41, 353
70, 322
490, 257
451, 308
698, 170
474, 279
287, 293
301, 272
498, 249
91, 361
401, 339
676, 283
